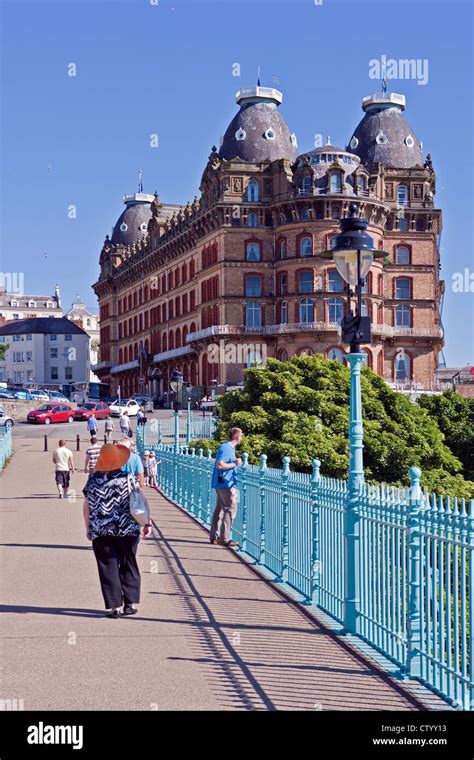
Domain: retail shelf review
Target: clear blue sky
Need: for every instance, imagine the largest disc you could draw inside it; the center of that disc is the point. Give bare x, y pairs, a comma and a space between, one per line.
167, 69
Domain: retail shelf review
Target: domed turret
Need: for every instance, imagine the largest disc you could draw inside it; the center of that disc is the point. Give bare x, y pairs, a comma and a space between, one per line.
132, 223
384, 136
258, 132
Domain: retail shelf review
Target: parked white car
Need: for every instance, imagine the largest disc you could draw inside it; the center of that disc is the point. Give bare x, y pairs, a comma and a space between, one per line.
5, 420
126, 404
39, 395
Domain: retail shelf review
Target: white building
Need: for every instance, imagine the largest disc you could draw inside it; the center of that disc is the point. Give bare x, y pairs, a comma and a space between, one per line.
89, 322
44, 351
14, 305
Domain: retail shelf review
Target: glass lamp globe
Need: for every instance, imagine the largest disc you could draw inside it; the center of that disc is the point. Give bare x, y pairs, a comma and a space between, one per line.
346, 264
176, 382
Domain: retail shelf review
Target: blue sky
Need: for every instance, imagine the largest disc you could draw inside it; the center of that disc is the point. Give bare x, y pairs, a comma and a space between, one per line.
167, 69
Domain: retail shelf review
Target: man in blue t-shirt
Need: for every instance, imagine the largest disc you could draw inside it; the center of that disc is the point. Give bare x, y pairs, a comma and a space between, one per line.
224, 480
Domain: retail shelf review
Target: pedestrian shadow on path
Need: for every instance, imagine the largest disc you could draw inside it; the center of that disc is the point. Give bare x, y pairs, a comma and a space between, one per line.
51, 546
70, 611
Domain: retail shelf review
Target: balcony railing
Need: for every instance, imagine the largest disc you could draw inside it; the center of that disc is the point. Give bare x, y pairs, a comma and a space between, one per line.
294, 327
173, 353
124, 367
102, 365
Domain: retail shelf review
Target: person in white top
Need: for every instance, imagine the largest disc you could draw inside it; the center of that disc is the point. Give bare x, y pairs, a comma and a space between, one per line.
124, 423
63, 459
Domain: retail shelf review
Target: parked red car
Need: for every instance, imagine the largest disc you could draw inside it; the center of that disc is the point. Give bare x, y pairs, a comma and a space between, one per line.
51, 413
99, 408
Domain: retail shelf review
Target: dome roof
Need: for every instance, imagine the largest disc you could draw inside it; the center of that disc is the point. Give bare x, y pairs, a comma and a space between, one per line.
258, 132
384, 136
133, 221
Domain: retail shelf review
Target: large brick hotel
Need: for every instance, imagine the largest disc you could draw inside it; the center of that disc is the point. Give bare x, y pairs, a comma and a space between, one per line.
213, 286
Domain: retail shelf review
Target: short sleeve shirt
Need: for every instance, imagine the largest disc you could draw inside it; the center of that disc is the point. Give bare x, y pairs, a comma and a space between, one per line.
134, 465
108, 494
224, 478
62, 457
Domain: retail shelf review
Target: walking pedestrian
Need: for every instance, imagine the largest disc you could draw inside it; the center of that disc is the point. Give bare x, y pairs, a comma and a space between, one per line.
140, 416
114, 533
125, 423
224, 481
152, 470
92, 426
92, 455
64, 465
109, 429
134, 465
146, 460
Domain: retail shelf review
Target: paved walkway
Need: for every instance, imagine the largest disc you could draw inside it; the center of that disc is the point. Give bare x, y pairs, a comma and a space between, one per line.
210, 634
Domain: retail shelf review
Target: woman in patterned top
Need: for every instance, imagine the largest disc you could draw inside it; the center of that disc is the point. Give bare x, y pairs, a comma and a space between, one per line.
114, 533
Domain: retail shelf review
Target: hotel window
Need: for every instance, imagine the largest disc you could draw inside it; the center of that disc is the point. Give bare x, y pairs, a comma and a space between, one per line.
402, 315
335, 282
253, 252
68, 373
335, 184
307, 185
253, 191
361, 185
284, 313
252, 220
53, 337
68, 337
365, 309
402, 368
53, 353
282, 284
402, 288
402, 195
306, 246
403, 224
253, 315
306, 282
402, 255
253, 286
282, 249
305, 214
335, 310
54, 373
306, 310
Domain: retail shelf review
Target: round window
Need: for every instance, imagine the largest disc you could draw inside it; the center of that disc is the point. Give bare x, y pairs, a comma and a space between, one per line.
381, 138
123, 227
409, 141
354, 143
270, 134
241, 134
144, 227
293, 139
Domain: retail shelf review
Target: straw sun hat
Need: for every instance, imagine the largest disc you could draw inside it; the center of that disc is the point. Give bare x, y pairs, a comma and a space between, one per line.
112, 456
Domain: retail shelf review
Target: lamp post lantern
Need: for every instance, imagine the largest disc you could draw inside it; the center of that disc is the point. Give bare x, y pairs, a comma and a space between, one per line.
353, 251
176, 385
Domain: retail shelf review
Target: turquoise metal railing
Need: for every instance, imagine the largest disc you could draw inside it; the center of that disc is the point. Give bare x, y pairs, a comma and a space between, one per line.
414, 556
191, 428
6, 446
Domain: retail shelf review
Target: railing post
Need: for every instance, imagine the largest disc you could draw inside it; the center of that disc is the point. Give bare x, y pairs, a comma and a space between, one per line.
176, 430
208, 494
261, 478
285, 473
413, 665
243, 498
188, 424
315, 558
199, 494
190, 488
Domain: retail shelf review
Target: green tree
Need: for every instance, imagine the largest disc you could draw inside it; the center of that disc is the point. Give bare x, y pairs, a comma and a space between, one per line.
3, 349
300, 408
455, 417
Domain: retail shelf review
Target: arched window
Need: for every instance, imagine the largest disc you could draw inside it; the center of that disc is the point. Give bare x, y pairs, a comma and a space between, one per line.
361, 184
306, 246
254, 358
380, 363
402, 255
282, 249
369, 360
171, 340
282, 284
253, 285
403, 224
402, 367
307, 184
253, 191
402, 288
283, 355
365, 309
335, 310
305, 214
178, 338
253, 314
402, 315
402, 195
336, 354
305, 282
253, 252
251, 220
335, 183
335, 282
306, 310
284, 313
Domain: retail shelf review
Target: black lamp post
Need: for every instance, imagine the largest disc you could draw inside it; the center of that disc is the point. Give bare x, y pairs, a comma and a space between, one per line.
353, 252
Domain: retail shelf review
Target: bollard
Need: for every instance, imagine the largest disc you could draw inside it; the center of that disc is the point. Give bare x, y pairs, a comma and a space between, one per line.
78, 442
45, 442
